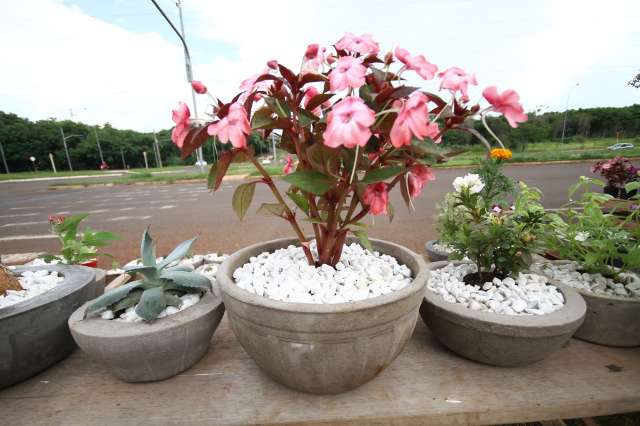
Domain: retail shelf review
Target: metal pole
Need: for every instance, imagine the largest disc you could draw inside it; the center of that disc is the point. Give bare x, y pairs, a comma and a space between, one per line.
146, 164
273, 144
157, 146
53, 165
4, 160
66, 150
95, 130
566, 110
124, 164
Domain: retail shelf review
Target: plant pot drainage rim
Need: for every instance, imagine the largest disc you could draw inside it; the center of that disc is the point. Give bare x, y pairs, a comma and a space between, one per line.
99, 327
61, 290
228, 286
557, 322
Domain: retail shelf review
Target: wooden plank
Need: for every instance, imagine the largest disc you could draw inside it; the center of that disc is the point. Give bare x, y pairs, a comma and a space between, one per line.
427, 384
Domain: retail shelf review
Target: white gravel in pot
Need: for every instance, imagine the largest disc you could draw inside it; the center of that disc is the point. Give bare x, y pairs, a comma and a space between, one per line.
444, 248
285, 275
130, 315
33, 283
569, 274
527, 294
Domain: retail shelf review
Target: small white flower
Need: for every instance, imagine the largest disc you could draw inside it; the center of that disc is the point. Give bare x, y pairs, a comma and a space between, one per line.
581, 236
471, 181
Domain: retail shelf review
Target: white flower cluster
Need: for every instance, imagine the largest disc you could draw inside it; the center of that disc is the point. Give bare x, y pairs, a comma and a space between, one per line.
471, 181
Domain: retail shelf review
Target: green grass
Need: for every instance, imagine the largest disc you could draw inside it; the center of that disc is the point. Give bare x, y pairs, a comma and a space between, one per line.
48, 174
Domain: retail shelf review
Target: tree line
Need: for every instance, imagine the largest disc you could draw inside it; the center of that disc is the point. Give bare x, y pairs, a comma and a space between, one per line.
21, 138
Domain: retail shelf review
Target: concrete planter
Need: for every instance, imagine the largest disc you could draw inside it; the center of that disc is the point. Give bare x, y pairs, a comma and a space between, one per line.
34, 334
145, 352
435, 255
322, 348
610, 320
496, 339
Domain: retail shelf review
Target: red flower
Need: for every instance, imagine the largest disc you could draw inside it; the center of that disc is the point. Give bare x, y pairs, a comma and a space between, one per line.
199, 88
180, 116
234, 127
417, 178
376, 197
288, 166
55, 220
507, 104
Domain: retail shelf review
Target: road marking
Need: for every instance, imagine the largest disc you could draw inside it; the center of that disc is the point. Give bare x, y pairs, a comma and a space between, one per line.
27, 237
97, 211
65, 212
166, 207
26, 208
19, 215
115, 219
22, 224
126, 209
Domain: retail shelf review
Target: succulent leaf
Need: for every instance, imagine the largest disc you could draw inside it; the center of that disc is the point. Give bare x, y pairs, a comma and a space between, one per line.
178, 253
111, 297
130, 300
151, 303
187, 280
173, 300
147, 250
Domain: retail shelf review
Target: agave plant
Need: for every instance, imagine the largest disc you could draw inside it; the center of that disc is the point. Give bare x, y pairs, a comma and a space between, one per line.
162, 284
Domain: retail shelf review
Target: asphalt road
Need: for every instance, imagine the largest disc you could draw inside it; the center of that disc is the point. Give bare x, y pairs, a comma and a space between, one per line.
179, 211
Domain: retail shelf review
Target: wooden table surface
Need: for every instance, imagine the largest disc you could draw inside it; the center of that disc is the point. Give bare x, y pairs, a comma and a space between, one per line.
426, 384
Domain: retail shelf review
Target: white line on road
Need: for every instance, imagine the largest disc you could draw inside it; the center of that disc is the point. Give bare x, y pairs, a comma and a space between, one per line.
64, 212
27, 237
166, 207
115, 219
6, 216
22, 224
126, 209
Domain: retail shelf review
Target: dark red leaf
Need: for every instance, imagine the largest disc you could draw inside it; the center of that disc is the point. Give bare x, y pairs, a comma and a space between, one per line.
372, 59
195, 138
264, 77
310, 78
318, 100
222, 166
289, 75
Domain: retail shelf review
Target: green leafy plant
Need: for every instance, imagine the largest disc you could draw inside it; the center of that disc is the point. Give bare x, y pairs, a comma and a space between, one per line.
499, 239
77, 248
161, 285
593, 234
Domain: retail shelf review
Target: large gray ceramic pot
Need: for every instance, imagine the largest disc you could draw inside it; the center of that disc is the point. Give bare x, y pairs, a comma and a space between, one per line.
322, 348
610, 320
145, 352
34, 334
497, 339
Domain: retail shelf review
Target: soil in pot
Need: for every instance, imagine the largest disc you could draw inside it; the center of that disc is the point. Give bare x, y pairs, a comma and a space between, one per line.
322, 330
505, 322
613, 308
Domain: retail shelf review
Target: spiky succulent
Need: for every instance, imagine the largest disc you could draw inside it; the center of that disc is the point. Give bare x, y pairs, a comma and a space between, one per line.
162, 284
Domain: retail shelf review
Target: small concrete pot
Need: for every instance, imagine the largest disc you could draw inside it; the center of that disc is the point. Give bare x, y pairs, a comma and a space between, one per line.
610, 320
34, 333
322, 348
146, 352
435, 255
496, 339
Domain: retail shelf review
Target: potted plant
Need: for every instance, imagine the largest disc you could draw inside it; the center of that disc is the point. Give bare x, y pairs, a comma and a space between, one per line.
492, 309
601, 253
155, 327
35, 303
617, 171
329, 312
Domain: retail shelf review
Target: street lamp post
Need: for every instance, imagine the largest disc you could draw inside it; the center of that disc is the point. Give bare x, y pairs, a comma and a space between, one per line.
4, 159
566, 110
187, 63
66, 149
95, 131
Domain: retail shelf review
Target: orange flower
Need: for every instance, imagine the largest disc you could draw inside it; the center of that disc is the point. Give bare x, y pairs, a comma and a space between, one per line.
501, 154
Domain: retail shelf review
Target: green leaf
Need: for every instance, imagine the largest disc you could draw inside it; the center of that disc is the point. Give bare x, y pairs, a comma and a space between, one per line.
632, 186
242, 198
147, 249
211, 176
306, 118
149, 272
177, 253
151, 303
300, 201
111, 297
183, 268
69, 227
131, 299
217, 171
268, 209
323, 158
381, 174
364, 240
189, 280
391, 212
281, 109
310, 181
263, 119
98, 238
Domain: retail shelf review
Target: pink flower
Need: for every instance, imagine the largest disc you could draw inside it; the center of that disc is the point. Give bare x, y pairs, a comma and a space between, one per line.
288, 166
413, 118
250, 85
180, 116
273, 64
507, 104
349, 72
455, 79
314, 57
376, 197
199, 88
433, 132
496, 209
309, 94
364, 44
234, 127
348, 123
417, 178
418, 63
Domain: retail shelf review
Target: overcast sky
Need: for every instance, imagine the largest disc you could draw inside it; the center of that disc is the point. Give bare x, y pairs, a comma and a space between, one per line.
117, 61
